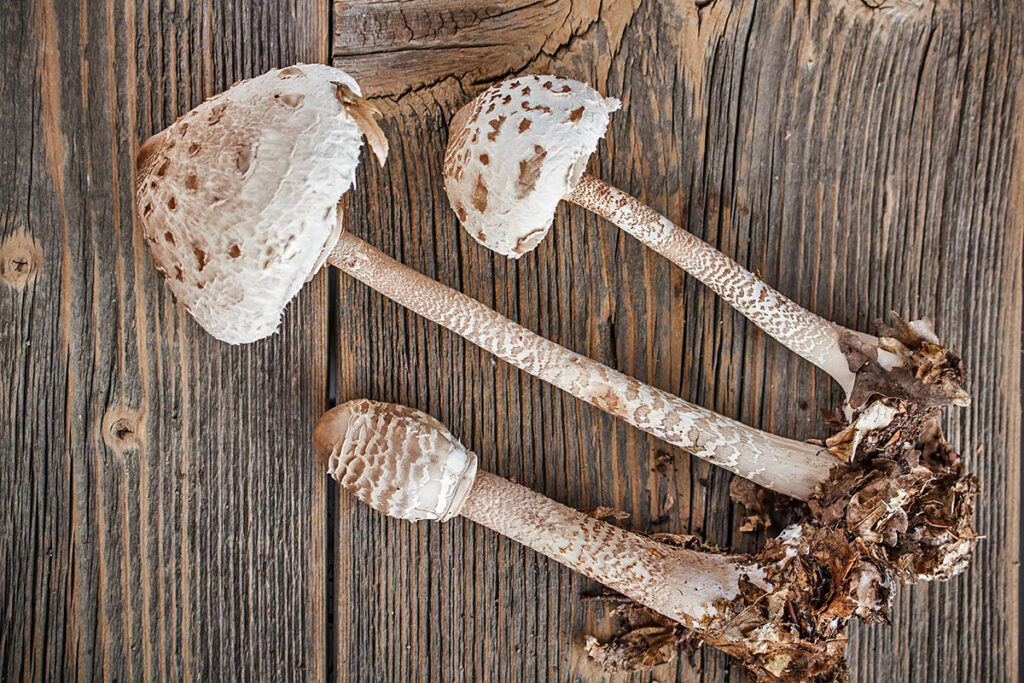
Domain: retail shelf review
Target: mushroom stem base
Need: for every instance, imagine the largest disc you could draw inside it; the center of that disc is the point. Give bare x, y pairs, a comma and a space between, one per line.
805, 333
782, 612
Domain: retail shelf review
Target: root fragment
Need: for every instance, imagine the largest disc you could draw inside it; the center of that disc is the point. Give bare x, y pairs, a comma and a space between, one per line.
908, 365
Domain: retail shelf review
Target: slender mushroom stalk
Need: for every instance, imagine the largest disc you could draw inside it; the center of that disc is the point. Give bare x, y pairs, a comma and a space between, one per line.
782, 612
781, 464
237, 200
521, 146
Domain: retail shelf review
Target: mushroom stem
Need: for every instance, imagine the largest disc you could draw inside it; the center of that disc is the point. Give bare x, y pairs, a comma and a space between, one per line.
681, 584
805, 333
784, 465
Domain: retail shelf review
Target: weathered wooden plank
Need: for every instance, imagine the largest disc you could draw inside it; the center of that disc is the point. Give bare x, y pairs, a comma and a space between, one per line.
861, 159
160, 517
154, 529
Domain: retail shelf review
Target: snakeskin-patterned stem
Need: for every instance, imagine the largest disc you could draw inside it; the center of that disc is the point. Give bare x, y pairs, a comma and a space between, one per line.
781, 464
809, 335
737, 604
681, 584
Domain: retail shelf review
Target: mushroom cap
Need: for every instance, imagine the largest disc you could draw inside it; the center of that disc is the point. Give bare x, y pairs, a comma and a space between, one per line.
517, 150
238, 197
397, 460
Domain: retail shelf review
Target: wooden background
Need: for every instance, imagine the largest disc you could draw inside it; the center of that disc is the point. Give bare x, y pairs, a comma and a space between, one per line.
160, 513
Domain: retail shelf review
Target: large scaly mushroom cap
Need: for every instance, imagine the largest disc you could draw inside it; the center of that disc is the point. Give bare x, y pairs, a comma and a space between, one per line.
515, 151
238, 197
399, 461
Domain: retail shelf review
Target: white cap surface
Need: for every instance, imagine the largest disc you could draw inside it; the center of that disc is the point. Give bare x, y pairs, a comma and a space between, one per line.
399, 461
238, 197
515, 151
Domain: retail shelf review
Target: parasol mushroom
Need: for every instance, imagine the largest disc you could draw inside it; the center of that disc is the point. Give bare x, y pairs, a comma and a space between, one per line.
237, 200
522, 145
782, 611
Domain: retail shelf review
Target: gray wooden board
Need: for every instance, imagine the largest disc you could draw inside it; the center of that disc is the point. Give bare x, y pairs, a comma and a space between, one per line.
161, 515
861, 159
158, 507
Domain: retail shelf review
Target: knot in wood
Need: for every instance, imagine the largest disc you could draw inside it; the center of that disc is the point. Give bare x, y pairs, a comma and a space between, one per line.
121, 428
21, 259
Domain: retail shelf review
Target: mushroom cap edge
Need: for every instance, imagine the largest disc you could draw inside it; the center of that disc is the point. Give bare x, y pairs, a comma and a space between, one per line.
515, 151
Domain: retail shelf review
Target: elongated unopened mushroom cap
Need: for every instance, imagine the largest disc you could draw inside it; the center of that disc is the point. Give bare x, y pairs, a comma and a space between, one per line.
515, 151
238, 197
399, 461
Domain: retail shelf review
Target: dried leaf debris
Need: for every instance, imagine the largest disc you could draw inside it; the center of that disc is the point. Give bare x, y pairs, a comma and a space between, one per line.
900, 510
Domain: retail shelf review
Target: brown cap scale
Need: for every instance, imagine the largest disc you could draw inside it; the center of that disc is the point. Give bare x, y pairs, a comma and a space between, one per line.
237, 197
782, 612
516, 151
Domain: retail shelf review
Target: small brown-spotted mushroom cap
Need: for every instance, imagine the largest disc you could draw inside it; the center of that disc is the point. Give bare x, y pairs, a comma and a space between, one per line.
238, 197
399, 461
515, 151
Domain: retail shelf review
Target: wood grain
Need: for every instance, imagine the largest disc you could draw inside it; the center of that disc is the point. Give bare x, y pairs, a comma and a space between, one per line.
160, 519
161, 516
863, 159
